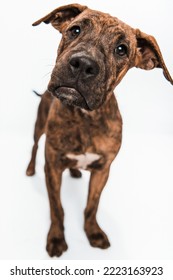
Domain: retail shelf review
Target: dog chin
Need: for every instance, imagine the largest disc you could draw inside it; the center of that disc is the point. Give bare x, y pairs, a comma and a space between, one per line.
70, 96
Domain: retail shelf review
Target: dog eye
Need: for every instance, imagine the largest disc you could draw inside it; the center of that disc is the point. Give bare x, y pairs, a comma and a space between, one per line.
75, 31
121, 50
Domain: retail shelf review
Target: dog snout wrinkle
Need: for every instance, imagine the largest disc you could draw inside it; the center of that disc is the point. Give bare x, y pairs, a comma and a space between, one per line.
84, 66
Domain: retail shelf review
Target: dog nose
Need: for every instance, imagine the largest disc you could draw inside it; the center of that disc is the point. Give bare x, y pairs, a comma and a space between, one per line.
83, 65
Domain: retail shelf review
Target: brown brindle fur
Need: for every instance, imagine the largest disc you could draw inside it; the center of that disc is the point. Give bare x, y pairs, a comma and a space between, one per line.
79, 112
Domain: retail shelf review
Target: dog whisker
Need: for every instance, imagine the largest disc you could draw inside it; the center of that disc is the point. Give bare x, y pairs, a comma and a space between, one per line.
49, 73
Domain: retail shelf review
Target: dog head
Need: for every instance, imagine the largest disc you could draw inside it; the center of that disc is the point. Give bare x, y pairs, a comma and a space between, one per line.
95, 53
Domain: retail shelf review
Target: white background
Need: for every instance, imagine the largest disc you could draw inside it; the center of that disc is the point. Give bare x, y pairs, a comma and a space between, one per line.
136, 208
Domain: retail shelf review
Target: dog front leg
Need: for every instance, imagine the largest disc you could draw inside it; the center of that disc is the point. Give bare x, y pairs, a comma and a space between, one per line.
95, 234
56, 243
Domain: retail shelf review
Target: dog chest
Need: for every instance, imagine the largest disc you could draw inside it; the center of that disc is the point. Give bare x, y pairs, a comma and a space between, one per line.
84, 160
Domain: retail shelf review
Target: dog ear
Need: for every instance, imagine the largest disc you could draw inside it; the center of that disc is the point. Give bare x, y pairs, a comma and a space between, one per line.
149, 55
61, 15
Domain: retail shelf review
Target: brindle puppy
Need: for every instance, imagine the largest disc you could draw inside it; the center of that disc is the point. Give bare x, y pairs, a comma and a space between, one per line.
79, 112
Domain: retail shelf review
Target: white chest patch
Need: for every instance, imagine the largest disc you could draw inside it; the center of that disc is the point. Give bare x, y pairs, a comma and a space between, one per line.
84, 160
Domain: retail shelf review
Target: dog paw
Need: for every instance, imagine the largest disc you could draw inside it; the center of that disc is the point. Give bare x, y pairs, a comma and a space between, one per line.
56, 246
99, 239
30, 171
75, 173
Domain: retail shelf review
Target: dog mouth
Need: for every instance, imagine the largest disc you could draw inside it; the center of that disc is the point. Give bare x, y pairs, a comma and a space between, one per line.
70, 96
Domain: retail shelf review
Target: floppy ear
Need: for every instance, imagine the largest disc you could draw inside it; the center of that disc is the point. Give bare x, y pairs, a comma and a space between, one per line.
60, 16
149, 55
